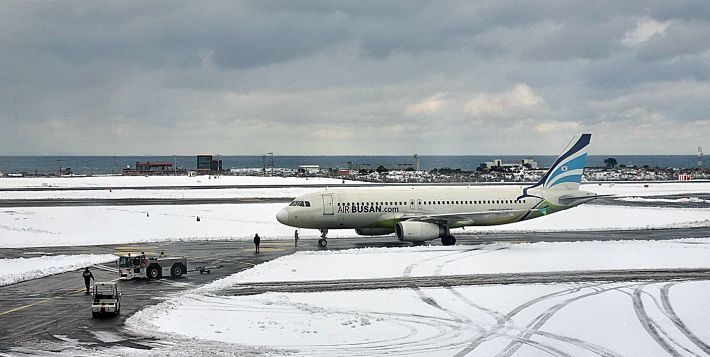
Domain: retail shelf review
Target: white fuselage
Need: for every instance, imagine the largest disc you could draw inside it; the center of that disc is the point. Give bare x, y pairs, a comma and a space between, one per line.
383, 207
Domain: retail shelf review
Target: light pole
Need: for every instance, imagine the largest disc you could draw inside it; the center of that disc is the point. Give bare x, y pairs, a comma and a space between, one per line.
271, 167
263, 164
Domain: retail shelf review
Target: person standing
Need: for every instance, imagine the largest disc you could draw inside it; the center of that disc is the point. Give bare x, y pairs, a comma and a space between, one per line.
257, 241
88, 276
295, 235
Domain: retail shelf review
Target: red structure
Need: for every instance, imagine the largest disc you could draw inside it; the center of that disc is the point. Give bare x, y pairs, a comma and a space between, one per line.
154, 168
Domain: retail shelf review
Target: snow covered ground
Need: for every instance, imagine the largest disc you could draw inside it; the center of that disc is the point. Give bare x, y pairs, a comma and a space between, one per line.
20, 269
580, 319
87, 225
611, 319
90, 225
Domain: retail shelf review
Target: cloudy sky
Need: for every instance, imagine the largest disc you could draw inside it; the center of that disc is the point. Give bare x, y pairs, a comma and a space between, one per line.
353, 77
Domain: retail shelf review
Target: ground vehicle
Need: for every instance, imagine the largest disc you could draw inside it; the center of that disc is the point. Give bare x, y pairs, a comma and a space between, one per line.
141, 266
107, 299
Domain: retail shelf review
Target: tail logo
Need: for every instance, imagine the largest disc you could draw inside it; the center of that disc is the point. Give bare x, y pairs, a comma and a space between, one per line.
567, 170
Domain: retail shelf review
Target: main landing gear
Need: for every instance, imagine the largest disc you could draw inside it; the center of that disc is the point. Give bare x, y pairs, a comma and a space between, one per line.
448, 240
322, 242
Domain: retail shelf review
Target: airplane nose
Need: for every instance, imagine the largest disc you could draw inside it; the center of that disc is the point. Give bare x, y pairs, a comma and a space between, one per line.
282, 216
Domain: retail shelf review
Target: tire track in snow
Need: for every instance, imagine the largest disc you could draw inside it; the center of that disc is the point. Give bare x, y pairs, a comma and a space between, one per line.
657, 332
649, 325
668, 308
505, 321
462, 319
534, 326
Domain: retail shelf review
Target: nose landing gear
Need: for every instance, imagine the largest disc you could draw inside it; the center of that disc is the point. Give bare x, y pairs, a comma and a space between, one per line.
322, 242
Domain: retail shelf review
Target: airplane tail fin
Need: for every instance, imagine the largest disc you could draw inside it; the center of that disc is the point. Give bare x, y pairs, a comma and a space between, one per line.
567, 170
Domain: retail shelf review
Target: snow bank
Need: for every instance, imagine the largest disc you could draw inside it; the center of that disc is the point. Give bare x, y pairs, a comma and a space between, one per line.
21, 269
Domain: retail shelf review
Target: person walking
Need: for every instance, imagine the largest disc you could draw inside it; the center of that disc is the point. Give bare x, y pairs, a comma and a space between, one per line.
295, 235
88, 276
257, 241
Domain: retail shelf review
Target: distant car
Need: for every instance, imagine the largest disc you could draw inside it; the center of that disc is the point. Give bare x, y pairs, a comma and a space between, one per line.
107, 299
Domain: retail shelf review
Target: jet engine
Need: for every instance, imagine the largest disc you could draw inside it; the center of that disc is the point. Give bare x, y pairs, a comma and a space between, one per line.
415, 231
374, 231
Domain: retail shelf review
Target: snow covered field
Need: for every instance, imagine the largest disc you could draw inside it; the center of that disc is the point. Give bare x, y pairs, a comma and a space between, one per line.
89, 225
611, 319
20, 269
581, 319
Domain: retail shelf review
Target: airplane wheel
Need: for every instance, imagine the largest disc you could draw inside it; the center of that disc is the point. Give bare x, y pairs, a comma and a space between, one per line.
448, 240
322, 242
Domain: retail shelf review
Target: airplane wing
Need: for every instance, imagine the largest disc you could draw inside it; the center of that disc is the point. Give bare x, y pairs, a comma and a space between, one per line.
466, 217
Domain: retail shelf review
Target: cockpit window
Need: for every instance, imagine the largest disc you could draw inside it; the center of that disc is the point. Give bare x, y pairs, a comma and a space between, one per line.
301, 203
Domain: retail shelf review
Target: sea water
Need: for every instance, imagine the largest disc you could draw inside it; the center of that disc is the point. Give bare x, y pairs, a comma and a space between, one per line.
103, 165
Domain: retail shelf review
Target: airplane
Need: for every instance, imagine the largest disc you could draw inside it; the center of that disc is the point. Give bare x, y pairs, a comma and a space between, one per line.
419, 214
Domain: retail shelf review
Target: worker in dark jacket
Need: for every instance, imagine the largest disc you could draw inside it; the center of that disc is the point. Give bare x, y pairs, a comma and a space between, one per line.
257, 241
88, 276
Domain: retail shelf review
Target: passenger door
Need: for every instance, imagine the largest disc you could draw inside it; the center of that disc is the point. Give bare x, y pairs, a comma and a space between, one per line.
327, 205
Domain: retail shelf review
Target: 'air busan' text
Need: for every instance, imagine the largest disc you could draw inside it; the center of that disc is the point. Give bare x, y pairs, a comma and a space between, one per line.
367, 209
